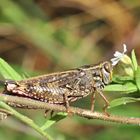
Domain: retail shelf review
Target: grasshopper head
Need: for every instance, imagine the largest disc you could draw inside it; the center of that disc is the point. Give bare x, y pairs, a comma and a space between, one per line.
107, 72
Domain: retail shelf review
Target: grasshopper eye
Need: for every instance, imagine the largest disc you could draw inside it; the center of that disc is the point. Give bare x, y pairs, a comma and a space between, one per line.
107, 67
106, 72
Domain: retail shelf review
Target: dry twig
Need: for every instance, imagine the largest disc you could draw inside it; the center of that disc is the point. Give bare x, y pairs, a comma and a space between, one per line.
33, 104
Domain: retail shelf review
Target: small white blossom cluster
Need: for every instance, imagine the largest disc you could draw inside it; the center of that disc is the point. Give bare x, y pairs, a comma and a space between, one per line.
118, 55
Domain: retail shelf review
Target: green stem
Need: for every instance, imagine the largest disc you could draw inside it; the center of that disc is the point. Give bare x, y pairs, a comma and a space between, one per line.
25, 120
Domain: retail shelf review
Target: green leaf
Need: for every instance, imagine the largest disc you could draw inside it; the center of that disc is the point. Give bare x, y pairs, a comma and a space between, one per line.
7, 71
128, 87
134, 60
122, 79
59, 116
137, 77
123, 100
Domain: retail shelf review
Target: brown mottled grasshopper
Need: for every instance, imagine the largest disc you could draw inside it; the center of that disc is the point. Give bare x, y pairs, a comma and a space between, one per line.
65, 87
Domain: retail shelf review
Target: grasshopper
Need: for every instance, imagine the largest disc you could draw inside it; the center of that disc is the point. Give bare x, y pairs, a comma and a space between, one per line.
68, 86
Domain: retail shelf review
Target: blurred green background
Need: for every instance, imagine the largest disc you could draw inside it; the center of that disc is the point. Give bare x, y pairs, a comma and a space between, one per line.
43, 36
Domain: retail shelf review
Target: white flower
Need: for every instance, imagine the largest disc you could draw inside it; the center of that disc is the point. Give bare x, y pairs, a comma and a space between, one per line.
118, 55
